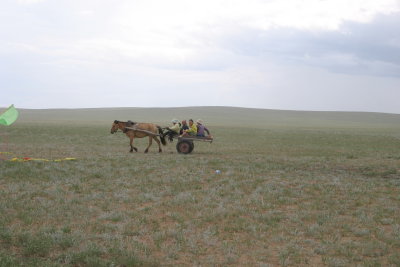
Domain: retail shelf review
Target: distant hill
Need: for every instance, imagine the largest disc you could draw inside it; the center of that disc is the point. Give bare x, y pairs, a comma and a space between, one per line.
214, 116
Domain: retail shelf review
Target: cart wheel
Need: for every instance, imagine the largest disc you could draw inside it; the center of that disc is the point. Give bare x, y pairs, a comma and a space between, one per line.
184, 147
191, 146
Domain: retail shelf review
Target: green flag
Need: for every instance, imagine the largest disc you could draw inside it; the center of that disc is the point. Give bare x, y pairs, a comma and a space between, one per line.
9, 116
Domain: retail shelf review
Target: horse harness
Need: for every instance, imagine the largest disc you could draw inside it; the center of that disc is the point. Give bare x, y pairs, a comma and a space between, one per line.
129, 124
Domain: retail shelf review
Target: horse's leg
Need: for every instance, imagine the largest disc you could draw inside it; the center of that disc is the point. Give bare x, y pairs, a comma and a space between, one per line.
158, 142
131, 144
150, 142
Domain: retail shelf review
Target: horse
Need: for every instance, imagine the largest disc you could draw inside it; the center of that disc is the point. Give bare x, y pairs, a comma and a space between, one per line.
144, 129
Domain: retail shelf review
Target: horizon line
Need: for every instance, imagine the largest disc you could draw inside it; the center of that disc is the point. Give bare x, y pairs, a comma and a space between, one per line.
182, 107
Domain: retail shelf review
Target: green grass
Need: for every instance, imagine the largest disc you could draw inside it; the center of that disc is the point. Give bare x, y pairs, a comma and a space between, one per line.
297, 194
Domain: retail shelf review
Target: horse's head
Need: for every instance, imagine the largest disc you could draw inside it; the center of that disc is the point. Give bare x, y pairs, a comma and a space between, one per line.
115, 126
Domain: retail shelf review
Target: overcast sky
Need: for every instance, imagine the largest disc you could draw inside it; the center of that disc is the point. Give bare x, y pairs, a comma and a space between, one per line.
276, 54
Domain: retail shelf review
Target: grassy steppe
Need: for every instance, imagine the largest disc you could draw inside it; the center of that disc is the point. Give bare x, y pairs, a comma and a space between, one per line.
295, 189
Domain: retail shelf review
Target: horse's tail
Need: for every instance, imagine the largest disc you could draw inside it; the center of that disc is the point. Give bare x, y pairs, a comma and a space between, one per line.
162, 137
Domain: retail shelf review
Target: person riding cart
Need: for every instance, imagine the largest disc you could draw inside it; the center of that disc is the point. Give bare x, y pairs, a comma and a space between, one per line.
173, 130
192, 131
201, 129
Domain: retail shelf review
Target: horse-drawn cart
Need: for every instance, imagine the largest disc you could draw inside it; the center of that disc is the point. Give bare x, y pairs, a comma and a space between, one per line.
185, 144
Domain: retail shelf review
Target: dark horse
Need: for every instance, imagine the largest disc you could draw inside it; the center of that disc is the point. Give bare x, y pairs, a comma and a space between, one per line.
143, 129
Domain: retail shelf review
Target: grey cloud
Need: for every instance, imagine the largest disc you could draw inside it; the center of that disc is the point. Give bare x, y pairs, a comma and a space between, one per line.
356, 48
376, 41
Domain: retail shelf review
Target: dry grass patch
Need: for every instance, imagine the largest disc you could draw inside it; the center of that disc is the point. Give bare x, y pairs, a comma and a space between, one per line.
285, 197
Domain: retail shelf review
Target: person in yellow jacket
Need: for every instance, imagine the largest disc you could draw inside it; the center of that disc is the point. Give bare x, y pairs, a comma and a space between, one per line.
192, 131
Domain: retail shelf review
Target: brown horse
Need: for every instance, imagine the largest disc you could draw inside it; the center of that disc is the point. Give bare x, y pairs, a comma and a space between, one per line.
144, 129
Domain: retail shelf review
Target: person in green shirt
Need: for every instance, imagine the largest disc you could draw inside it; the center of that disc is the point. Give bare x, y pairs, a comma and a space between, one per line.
192, 131
175, 126
173, 130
